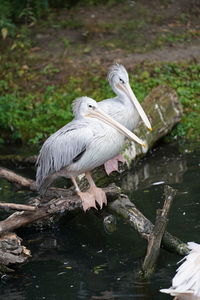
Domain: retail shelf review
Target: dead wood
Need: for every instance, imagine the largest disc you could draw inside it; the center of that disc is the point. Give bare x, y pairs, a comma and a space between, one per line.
128, 211
17, 179
11, 250
122, 206
156, 235
27, 183
15, 206
57, 206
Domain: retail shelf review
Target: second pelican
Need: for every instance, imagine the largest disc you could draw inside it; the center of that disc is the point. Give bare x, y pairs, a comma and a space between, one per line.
124, 108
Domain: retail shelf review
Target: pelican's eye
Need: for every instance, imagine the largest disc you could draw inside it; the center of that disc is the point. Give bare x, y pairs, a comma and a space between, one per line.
90, 106
121, 80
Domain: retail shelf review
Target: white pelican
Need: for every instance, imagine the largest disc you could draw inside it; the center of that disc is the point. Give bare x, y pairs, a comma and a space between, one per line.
124, 108
88, 141
186, 282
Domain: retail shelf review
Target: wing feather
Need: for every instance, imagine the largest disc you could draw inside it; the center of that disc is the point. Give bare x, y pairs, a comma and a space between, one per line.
61, 148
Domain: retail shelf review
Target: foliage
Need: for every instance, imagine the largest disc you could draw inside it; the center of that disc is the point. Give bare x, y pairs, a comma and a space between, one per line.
13, 12
32, 116
24, 11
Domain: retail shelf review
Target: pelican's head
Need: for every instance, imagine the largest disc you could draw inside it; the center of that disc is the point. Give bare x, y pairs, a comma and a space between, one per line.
82, 106
117, 75
88, 108
119, 81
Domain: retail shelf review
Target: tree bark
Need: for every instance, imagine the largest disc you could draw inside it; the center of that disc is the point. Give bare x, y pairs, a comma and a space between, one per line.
156, 235
11, 250
55, 207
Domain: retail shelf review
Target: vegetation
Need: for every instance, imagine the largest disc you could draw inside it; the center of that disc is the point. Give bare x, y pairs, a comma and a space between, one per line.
13, 12
37, 88
31, 117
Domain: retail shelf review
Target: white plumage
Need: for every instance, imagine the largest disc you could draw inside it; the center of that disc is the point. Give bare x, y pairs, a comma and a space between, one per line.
186, 282
85, 143
124, 108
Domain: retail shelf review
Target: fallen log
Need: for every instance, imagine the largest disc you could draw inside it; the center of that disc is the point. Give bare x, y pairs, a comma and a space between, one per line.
164, 111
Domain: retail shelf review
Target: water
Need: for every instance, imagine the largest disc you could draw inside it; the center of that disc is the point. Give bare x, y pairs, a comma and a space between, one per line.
80, 260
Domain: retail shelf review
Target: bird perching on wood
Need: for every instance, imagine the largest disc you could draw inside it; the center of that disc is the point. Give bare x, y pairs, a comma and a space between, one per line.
124, 108
88, 141
186, 282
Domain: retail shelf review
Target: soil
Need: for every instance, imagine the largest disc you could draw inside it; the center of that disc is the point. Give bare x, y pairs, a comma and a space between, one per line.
130, 32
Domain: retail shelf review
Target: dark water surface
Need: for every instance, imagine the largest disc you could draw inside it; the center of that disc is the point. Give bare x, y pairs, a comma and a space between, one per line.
80, 260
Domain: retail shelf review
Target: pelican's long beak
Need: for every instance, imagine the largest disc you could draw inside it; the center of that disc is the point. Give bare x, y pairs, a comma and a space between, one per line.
128, 91
99, 114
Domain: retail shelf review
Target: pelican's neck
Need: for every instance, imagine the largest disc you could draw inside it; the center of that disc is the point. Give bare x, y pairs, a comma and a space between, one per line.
128, 114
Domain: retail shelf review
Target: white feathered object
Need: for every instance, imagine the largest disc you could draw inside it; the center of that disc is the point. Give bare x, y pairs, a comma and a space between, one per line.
186, 282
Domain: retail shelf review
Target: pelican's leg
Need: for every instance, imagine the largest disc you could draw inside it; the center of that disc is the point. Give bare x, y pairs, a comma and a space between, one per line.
88, 199
99, 194
112, 164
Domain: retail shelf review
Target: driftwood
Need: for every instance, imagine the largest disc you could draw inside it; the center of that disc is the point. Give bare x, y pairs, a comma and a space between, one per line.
14, 206
120, 204
56, 206
17, 179
156, 235
26, 183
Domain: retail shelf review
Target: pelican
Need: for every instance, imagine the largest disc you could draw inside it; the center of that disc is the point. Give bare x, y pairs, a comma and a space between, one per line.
88, 141
124, 108
186, 282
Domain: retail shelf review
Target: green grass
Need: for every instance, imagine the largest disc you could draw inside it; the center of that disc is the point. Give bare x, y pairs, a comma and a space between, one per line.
31, 116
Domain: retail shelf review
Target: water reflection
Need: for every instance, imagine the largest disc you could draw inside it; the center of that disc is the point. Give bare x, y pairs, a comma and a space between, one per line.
12, 291
157, 168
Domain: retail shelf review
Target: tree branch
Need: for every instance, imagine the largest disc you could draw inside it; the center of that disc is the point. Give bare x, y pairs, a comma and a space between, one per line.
156, 235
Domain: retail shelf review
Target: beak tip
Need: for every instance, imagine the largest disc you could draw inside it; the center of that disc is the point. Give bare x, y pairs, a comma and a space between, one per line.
150, 129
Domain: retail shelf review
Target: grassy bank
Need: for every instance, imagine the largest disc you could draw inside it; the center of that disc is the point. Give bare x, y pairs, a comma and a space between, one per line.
30, 116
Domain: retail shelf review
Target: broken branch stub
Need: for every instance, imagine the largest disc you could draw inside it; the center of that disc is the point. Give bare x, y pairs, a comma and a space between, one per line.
156, 235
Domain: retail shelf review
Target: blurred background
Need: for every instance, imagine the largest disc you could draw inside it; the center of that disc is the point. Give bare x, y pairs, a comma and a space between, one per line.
54, 51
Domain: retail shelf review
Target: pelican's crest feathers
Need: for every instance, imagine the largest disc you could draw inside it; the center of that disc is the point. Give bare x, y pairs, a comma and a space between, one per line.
116, 69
